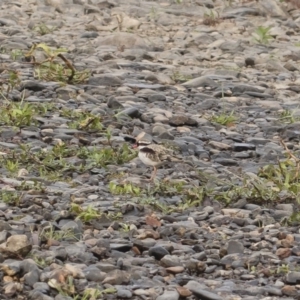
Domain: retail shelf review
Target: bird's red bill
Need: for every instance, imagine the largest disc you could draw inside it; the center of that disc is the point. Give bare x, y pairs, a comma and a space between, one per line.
134, 146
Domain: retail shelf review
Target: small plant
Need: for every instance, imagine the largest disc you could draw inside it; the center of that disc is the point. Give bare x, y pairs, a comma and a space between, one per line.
54, 163
12, 166
10, 197
178, 77
56, 67
85, 214
86, 121
66, 288
108, 136
224, 119
89, 213
90, 294
156, 205
12, 81
255, 190
211, 19
108, 155
288, 116
50, 234
41, 262
126, 188
274, 182
43, 29
252, 269
94, 293
166, 188
125, 227
114, 215
294, 219
17, 114
191, 196
262, 35
16, 54
283, 269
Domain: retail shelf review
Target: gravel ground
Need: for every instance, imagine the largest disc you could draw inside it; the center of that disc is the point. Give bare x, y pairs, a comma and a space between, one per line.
216, 82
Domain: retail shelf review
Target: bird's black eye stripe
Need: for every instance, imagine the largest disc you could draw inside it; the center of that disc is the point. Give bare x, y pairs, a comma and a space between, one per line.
147, 150
130, 139
143, 144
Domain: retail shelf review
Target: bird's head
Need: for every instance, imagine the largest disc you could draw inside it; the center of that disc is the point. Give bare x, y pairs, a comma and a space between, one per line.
141, 144
142, 140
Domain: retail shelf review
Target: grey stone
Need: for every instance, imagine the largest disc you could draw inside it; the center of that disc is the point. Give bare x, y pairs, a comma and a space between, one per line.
124, 294
292, 277
168, 295
92, 273
235, 247
106, 80
112, 102
171, 261
199, 290
203, 81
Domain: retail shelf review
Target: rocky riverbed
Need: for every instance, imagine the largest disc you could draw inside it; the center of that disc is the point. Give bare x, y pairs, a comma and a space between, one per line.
217, 82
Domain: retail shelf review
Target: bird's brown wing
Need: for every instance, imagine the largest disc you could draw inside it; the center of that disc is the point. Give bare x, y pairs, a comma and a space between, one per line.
164, 154
151, 153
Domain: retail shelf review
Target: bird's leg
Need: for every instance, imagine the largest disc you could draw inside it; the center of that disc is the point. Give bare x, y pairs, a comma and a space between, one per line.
153, 174
146, 171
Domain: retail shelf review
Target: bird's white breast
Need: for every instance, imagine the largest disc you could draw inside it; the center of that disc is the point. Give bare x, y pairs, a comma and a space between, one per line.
146, 160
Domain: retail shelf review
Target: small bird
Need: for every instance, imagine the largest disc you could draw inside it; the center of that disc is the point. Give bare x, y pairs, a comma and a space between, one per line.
152, 154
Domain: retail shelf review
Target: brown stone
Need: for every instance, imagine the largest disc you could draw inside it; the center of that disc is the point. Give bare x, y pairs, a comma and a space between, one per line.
136, 250
52, 242
183, 292
180, 120
7, 279
286, 243
12, 288
16, 246
283, 252
281, 235
148, 233
175, 270
117, 277
289, 290
290, 238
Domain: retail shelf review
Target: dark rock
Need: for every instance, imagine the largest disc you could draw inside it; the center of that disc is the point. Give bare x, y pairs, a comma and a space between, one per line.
113, 103
156, 97
132, 112
180, 120
249, 62
243, 147
158, 252
92, 273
